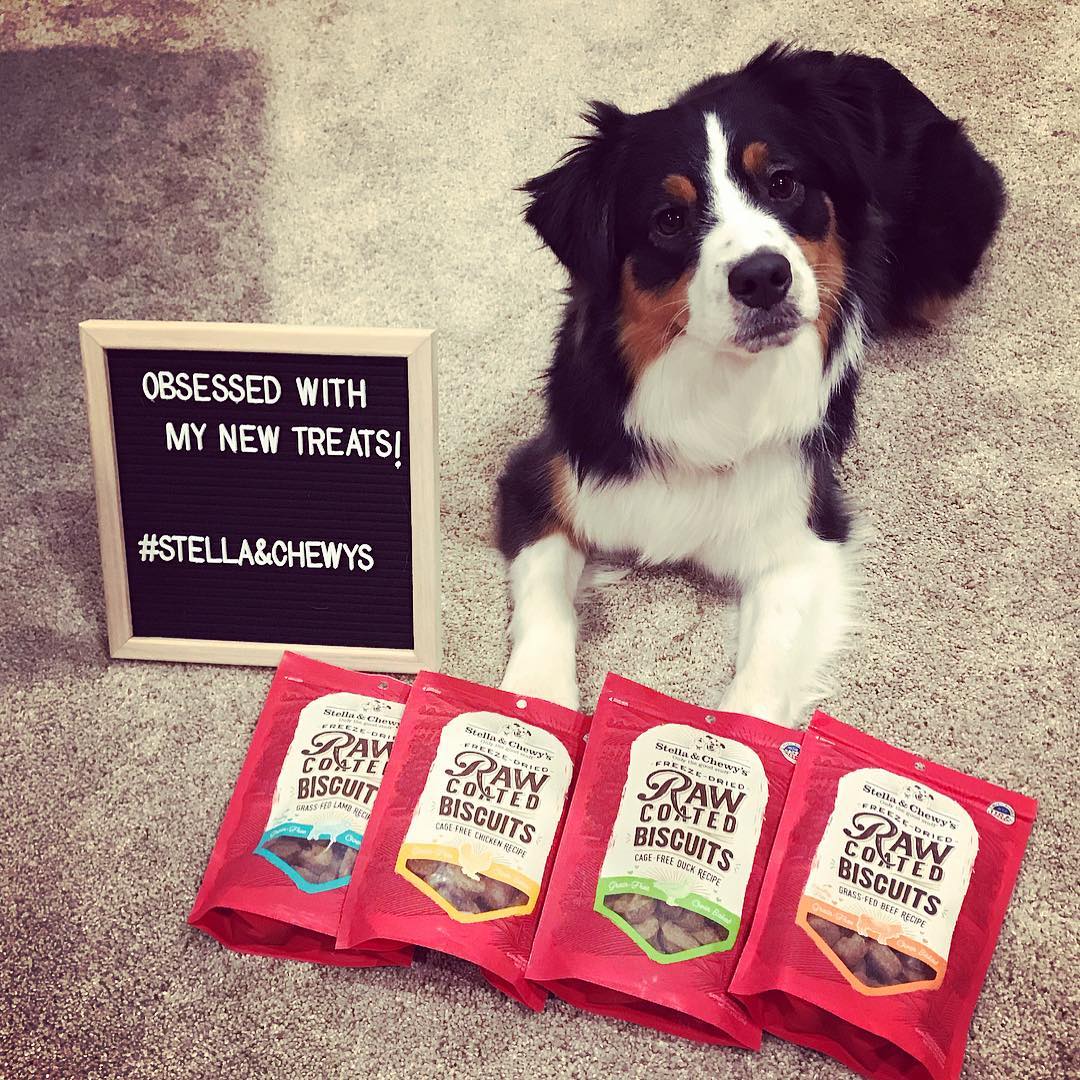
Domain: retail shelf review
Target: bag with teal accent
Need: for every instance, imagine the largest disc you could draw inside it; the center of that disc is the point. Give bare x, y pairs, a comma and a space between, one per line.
286, 850
661, 862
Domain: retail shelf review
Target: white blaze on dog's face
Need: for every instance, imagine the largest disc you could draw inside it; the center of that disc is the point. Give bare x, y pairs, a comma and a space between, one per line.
753, 287
706, 236
713, 218
724, 220
730, 275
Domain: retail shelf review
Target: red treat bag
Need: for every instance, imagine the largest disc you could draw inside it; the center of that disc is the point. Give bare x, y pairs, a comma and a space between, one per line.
460, 844
661, 863
881, 905
287, 847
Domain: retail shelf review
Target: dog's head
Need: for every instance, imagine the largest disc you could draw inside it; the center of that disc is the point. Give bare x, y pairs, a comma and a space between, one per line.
744, 212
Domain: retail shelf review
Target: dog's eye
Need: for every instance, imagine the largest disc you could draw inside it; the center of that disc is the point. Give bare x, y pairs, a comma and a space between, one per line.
670, 221
782, 185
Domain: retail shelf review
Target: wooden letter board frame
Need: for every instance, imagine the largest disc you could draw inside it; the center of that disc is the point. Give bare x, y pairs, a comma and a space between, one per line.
416, 346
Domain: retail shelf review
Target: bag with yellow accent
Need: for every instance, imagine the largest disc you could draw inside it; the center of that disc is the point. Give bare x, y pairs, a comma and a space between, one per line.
457, 854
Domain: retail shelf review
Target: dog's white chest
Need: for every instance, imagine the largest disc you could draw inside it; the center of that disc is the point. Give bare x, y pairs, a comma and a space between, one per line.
707, 410
729, 519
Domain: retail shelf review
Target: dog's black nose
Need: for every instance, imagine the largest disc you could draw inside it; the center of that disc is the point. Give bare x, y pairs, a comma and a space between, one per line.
760, 280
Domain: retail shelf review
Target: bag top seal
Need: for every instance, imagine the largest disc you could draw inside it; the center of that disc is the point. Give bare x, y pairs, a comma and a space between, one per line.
294, 667
484, 698
828, 729
631, 694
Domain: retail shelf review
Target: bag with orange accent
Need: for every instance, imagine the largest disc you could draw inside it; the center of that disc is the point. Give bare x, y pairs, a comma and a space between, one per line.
881, 905
457, 853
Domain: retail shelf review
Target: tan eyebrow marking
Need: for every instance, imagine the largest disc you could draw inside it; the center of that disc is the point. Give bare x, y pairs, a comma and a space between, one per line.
755, 157
681, 187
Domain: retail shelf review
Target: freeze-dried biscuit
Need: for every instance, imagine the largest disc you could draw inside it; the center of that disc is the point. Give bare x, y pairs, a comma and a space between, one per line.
673, 938
289, 849
828, 930
633, 907
316, 861
469, 895
668, 928
871, 962
884, 964
851, 949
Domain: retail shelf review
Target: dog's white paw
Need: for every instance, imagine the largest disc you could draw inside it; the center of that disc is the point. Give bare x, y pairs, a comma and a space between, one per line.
533, 679
755, 701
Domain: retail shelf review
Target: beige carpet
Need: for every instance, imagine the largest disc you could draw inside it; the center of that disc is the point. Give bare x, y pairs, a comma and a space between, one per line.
353, 163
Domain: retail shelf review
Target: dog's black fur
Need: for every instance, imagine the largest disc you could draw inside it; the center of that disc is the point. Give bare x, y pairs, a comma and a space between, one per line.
913, 203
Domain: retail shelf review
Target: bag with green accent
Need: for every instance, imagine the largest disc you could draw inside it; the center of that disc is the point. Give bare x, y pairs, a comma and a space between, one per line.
661, 862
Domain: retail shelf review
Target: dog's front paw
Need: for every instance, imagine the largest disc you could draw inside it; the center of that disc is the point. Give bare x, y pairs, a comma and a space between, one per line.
535, 679
755, 701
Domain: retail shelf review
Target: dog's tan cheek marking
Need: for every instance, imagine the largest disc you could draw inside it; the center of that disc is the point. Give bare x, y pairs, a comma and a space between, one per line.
826, 259
681, 188
755, 157
649, 321
561, 497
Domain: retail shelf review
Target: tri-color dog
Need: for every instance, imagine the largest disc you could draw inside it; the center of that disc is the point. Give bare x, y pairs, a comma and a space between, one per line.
730, 257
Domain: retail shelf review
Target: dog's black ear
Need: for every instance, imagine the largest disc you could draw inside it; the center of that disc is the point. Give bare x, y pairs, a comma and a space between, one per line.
939, 200
859, 109
572, 206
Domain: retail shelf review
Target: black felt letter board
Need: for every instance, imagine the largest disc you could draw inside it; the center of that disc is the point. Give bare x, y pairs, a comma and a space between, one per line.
223, 498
